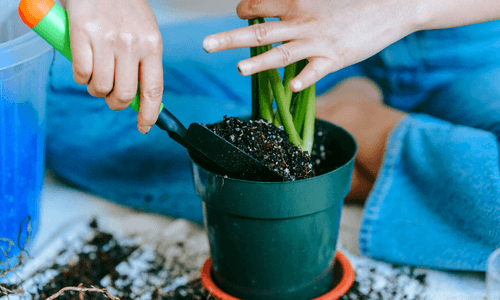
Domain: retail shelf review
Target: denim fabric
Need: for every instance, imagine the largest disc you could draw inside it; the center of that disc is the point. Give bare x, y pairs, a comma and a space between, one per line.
436, 201
437, 192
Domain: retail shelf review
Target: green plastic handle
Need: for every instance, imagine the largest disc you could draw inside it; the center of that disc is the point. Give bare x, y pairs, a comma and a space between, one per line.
54, 28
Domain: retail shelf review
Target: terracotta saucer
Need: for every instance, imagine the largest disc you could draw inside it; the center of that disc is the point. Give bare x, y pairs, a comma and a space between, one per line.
343, 279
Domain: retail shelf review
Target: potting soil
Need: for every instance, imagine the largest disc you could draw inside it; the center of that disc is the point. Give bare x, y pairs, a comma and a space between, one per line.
268, 144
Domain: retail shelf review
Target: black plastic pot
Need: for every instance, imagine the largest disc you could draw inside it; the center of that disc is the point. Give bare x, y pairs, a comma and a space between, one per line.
277, 240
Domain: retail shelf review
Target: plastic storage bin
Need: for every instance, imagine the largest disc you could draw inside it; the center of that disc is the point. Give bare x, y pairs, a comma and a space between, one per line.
24, 68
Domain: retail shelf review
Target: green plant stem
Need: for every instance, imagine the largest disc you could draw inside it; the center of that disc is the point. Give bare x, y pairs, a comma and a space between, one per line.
283, 107
297, 109
255, 88
265, 92
262, 94
265, 95
298, 112
277, 117
309, 96
266, 85
290, 73
256, 109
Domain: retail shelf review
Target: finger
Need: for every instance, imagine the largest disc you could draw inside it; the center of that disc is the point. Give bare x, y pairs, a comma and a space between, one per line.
316, 69
151, 76
101, 81
82, 57
277, 57
249, 9
252, 36
125, 86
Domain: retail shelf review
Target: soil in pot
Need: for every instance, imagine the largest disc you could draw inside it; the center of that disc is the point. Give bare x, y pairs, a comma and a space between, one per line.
269, 144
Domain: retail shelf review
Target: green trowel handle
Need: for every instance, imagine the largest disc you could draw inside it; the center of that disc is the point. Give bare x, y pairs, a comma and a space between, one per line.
54, 28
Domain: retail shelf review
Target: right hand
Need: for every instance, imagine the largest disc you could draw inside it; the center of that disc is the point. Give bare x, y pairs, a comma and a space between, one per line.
330, 34
333, 34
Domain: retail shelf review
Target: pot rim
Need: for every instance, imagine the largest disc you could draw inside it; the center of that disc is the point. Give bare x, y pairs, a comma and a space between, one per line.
348, 275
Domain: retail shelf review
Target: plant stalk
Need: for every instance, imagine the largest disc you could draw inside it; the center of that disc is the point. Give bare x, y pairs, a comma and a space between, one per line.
284, 107
267, 85
309, 119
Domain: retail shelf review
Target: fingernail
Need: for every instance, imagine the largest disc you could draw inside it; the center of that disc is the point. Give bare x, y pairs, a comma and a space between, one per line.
210, 44
144, 129
297, 85
244, 68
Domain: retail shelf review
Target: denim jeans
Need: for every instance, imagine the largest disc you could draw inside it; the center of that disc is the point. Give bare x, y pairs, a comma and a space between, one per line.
448, 80
436, 199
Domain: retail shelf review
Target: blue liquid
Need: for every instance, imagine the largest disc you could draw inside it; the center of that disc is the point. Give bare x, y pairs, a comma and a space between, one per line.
22, 147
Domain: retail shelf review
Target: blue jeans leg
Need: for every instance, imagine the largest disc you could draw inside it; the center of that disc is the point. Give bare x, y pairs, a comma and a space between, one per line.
473, 100
437, 193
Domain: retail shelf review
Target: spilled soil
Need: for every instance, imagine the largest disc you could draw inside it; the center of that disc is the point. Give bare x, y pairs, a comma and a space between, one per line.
128, 270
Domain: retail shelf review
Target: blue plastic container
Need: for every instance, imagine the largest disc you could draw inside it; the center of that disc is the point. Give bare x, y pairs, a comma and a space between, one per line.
24, 68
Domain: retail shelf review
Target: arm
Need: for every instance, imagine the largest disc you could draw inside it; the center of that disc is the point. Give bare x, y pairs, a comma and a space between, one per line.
333, 34
454, 13
115, 44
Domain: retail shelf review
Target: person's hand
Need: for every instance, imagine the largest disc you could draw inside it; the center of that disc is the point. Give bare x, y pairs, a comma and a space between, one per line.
115, 44
331, 34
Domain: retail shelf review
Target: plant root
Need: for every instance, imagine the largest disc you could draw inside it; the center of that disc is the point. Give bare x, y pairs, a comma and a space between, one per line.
82, 290
11, 245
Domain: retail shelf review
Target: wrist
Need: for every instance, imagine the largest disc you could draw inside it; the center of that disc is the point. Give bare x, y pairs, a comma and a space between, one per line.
431, 14
420, 15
